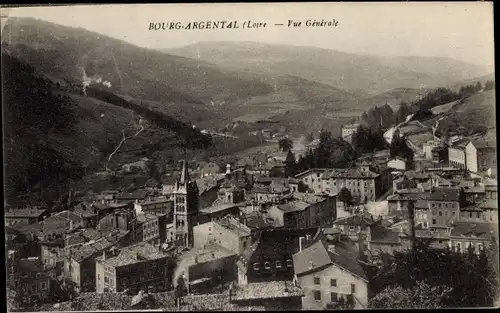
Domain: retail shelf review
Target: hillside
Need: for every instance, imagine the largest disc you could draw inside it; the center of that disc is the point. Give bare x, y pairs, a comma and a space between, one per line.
72, 53
342, 70
474, 115
53, 135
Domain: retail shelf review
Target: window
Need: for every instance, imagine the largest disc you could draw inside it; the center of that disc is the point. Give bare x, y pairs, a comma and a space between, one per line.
43, 286
106, 280
334, 297
317, 295
352, 228
333, 282
98, 276
316, 281
278, 264
478, 214
312, 180
433, 221
289, 263
267, 265
256, 266
470, 214
440, 213
353, 288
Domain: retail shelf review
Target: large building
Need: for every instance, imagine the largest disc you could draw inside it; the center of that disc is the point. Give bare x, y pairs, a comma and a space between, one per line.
480, 156
456, 154
303, 211
269, 258
136, 267
18, 217
227, 232
363, 183
327, 271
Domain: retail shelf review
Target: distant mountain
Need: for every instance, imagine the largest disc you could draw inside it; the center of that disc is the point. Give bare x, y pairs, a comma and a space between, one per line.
472, 81
71, 53
348, 71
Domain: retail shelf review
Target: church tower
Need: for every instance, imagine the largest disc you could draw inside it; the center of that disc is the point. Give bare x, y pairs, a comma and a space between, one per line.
186, 208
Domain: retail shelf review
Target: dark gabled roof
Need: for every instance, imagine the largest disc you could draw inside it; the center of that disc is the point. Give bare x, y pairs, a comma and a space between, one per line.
444, 194
277, 243
481, 144
384, 235
33, 213
293, 206
318, 256
479, 230
362, 219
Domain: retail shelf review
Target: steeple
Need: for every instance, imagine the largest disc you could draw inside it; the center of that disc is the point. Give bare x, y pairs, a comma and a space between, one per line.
184, 178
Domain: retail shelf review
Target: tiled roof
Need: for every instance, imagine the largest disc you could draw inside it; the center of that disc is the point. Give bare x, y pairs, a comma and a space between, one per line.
25, 213
233, 224
84, 209
69, 215
318, 256
478, 230
217, 208
134, 254
351, 173
86, 251
308, 198
266, 290
383, 235
145, 217
30, 266
362, 219
444, 194
481, 144
293, 206
206, 253
277, 243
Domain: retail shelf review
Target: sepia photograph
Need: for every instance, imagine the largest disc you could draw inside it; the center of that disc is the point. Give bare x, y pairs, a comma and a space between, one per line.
250, 156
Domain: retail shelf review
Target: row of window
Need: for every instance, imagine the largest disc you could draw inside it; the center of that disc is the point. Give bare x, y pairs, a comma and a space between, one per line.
445, 205
43, 286
333, 282
277, 265
333, 295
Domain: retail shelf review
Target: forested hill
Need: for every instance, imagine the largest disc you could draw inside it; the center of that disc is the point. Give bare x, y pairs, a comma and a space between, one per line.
54, 134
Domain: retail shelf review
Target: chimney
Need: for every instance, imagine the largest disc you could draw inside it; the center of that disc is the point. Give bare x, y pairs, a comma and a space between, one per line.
228, 169
104, 255
300, 243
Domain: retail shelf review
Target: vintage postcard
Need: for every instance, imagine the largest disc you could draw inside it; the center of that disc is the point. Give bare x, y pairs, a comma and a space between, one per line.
270, 156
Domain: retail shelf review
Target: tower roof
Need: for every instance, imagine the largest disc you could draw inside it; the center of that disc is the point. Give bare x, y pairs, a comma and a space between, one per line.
184, 178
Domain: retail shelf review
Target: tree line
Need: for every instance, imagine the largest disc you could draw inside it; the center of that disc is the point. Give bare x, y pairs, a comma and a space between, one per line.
384, 117
32, 111
426, 277
331, 152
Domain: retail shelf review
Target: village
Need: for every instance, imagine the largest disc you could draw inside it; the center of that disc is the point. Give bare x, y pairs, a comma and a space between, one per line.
253, 235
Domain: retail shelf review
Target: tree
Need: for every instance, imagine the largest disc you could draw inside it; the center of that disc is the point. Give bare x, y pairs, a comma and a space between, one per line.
342, 303
345, 196
309, 138
400, 148
489, 85
290, 165
180, 288
285, 144
464, 275
421, 296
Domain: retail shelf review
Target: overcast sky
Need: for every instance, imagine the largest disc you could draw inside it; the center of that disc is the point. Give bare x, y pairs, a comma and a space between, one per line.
463, 31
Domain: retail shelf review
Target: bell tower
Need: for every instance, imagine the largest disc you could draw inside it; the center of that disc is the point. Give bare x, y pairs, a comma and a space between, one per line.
186, 208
